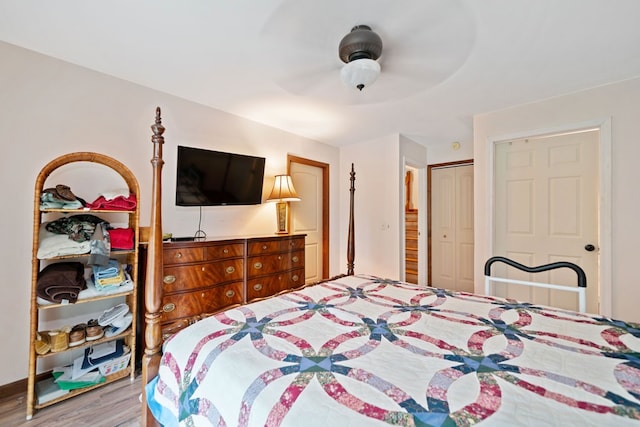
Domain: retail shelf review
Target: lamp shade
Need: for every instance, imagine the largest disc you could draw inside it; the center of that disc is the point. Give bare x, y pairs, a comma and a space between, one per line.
283, 190
360, 73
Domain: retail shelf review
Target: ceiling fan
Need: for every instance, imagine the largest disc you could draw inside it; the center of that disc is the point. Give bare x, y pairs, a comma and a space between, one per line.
359, 50
425, 42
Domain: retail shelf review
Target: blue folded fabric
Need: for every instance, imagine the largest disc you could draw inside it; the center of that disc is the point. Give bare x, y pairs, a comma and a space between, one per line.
106, 271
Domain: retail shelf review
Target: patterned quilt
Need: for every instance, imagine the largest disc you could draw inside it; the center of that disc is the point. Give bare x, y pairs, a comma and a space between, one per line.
366, 351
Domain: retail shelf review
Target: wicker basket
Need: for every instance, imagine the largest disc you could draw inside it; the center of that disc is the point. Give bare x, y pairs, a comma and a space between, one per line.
115, 365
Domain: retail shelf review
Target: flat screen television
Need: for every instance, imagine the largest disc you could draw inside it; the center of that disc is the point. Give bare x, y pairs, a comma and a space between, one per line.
214, 178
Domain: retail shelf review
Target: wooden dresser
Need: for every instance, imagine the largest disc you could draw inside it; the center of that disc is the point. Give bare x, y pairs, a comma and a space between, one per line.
204, 277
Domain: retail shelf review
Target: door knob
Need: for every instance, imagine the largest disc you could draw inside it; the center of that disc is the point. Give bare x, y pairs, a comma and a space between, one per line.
589, 248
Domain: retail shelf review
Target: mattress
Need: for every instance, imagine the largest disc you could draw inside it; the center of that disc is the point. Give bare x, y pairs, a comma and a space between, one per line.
363, 350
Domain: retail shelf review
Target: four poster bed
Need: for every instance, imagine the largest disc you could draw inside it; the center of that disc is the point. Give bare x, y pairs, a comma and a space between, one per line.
362, 350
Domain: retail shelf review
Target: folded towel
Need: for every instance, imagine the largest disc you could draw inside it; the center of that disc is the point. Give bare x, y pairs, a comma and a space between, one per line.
61, 282
115, 280
106, 271
121, 238
51, 245
128, 203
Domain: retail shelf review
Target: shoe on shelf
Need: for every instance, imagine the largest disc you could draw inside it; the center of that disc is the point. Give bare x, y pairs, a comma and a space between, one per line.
94, 330
77, 335
112, 314
42, 344
59, 340
119, 326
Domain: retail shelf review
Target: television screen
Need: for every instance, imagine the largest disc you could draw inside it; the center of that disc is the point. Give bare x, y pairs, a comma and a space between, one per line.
214, 178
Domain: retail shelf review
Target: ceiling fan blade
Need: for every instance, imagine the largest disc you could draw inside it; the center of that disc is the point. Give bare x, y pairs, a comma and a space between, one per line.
420, 49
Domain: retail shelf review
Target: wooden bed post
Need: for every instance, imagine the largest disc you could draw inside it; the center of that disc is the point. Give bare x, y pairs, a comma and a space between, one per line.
153, 284
351, 245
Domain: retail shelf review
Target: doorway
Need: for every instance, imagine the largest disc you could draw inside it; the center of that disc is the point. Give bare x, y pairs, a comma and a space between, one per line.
310, 215
451, 226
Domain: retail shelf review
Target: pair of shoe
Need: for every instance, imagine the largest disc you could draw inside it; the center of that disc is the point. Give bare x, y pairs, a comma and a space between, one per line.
84, 332
116, 319
52, 341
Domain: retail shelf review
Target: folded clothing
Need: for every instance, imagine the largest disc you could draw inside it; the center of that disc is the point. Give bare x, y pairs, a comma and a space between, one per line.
121, 238
128, 203
107, 271
79, 228
51, 245
61, 282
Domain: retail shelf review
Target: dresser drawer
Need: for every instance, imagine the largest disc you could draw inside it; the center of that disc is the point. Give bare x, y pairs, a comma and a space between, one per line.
258, 266
279, 244
292, 244
184, 277
263, 247
186, 304
266, 286
224, 251
182, 255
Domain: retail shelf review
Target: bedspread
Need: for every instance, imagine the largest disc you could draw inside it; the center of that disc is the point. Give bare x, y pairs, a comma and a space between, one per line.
362, 350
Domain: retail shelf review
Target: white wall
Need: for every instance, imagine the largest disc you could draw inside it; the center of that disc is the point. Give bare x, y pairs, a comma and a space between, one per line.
617, 102
377, 213
448, 152
50, 108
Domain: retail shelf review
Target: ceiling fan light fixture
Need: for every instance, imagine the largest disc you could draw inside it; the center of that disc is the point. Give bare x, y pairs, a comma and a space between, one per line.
359, 50
360, 73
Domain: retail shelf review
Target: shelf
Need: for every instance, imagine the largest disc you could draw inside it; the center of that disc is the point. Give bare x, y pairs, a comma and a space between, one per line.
108, 379
85, 211
86, 344
126, 292
87, 254
90, 294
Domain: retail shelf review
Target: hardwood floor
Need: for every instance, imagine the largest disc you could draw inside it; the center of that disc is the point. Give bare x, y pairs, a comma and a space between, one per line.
116, 404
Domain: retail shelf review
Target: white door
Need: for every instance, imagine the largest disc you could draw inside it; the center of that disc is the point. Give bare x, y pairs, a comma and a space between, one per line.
452, 228
306, 215
546, 210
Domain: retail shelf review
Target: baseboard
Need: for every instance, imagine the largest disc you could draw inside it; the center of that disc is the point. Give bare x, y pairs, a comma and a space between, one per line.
15, 388
12, 389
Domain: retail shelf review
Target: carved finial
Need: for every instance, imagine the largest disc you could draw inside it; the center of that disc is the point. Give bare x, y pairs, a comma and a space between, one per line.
157, 127
353, 177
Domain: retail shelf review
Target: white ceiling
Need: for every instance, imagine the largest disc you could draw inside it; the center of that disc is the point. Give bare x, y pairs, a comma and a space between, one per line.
276, 61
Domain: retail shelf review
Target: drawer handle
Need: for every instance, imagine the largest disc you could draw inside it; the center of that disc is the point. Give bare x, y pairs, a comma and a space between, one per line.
264, 247
279, 257
169, 279
178, 255
292, 243
295, 258
230, 269
257, 265
225, 250
257, 287
167, 308
230, 293
295, 278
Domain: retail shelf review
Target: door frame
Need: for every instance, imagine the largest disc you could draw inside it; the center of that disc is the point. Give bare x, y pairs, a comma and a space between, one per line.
429, 203
325, 205
604, 196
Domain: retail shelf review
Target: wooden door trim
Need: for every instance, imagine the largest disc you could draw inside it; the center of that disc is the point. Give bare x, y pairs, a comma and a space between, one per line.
429, 168
325, 205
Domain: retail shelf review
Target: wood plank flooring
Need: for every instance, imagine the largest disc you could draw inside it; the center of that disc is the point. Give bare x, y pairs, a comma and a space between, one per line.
113, 405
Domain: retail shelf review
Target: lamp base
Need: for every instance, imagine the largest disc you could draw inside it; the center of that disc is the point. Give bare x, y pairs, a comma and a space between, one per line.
282, 217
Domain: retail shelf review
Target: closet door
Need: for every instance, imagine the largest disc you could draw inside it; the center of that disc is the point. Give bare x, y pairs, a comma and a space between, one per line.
452, 228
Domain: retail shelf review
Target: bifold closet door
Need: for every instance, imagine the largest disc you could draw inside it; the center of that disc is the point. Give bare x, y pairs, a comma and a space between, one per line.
452, 228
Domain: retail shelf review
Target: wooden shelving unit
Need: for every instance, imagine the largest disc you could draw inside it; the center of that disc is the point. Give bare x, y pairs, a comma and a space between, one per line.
127, 294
